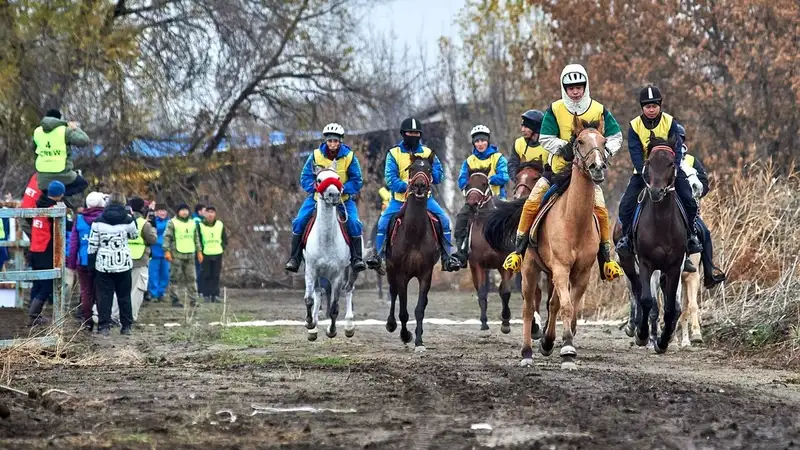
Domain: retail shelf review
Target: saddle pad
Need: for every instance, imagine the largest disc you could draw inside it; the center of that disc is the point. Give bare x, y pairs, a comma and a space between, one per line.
311, 225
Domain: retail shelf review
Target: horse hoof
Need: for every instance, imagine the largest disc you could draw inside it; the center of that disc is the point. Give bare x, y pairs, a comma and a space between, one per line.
419, 349
543, 348
685, 343
310, 325
568, 351
312, 335
505, 328
536, 332
660, 350
331, 334
350, 333
697, 340
405, 336
484, 326
630, 330
526, 362
569, 365
641, 342
391, 326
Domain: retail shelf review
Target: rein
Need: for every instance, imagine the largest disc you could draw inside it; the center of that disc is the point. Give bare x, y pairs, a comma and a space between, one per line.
650, 189
486, 195
583, 158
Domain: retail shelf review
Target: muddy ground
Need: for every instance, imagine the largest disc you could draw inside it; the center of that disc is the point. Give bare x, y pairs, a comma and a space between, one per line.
163, 388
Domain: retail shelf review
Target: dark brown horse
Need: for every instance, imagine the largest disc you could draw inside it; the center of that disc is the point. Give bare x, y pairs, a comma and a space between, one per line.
482, 257
527, 175
659, 248
412, 249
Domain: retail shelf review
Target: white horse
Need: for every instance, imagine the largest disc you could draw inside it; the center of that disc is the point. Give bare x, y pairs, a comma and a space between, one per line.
327, 255
691, 310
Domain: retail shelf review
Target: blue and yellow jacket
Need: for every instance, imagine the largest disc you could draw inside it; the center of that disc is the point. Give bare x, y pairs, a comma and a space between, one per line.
347, 167
396, 172
639, 138
492, 160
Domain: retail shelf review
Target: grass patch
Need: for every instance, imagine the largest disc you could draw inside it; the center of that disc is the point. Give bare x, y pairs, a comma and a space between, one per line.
133, 438
249, 336
330, 361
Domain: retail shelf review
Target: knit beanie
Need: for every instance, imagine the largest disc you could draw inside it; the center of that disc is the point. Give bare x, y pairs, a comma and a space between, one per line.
55, 189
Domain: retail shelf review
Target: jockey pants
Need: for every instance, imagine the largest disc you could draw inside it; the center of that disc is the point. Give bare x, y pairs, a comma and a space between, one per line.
353, 224
629, 202
707, 255
394, 208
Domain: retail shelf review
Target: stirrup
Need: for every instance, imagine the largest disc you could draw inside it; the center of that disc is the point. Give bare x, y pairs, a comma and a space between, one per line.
688, 266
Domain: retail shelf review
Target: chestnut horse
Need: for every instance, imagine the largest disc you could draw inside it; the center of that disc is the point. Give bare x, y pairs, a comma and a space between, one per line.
412, 249
568, 238
659, 249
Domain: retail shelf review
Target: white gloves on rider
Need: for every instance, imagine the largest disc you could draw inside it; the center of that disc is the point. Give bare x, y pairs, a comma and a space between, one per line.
694, 181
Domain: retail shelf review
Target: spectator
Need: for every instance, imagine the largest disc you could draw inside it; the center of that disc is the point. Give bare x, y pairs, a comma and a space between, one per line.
51, 142
199, 213
78, 257
140, 253
110, 255
159, 266
181, 245
213, 240
41, 253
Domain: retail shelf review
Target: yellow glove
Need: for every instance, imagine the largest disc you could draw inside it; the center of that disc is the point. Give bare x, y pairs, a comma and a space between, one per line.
612, 270
513, 262
168, 255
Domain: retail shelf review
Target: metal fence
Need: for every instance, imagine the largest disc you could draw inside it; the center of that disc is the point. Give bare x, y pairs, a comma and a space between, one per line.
17, 245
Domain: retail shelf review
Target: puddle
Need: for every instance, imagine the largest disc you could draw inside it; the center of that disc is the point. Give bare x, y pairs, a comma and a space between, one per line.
259, 409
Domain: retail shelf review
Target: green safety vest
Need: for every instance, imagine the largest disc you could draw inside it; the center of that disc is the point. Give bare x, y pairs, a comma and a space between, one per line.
51, 149
212, 238
184, 235
137, 245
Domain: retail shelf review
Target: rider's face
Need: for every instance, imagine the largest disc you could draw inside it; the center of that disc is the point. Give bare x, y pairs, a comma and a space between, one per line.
575, 93
651, 110
527, 133
333, 144
481, 145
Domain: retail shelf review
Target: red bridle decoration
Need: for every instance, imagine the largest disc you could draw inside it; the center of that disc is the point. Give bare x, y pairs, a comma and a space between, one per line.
663, 148
328, 182
422, 175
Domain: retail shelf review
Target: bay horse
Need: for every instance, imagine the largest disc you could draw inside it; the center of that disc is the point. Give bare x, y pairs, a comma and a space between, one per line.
327, 259
412, 249
659, 249
568, 238
482, 257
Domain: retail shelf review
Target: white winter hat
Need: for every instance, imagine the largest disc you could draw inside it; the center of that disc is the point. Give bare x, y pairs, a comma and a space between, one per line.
96, 200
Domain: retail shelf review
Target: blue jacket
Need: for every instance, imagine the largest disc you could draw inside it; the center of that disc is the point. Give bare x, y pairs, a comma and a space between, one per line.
354, 179
157, 249
391, 173
500, 178
637, 152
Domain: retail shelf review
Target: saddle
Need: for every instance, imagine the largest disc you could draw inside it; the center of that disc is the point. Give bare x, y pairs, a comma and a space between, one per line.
549, 199
397, 220
637, 214
314, 219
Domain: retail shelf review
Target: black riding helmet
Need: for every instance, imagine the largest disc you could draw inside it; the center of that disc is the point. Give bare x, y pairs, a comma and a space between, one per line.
649, 94
410, 124
532, 119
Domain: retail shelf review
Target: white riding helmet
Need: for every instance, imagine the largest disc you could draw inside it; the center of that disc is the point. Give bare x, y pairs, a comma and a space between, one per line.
333, 129
480, 129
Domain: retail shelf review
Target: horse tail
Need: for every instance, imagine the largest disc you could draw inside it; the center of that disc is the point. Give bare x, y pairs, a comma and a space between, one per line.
500, 229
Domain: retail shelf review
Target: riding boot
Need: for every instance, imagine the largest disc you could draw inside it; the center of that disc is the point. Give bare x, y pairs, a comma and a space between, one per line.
450, 263
529, 212
460, 233
712, 275
609, 269
356, 259
293, 265
688, 266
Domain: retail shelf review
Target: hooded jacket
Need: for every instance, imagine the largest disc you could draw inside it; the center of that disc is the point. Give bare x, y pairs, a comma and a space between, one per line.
108, 241
89, 215
75, 137
500, 178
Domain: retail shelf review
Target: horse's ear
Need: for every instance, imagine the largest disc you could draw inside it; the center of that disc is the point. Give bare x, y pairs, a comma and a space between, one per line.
601, 125
577, 125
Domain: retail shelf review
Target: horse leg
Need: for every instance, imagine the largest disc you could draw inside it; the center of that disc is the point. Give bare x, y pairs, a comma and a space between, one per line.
538, 295
350, 287
656, 287
529, 279
578, 281
333, 309
419, 311
405, 335
480, 282
689, 291
391, 323
312, 305
672, 308
630, 328
560, 297
646, 300
685, 312
505, 297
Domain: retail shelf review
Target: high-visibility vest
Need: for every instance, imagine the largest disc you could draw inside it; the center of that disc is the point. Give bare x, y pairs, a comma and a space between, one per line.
661, 131
564, 118
184, 235
212, 238
51, 149
403, 161
137, 246
340, 165
475, 163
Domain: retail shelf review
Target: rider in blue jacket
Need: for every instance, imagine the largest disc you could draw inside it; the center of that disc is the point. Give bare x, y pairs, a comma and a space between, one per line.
331, 154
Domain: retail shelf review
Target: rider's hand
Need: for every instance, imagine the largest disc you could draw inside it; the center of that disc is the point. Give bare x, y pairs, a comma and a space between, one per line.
696, 185
168, 256
200, 257
72, 124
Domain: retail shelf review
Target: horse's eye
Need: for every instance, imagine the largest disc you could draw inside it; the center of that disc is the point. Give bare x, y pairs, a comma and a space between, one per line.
580, 141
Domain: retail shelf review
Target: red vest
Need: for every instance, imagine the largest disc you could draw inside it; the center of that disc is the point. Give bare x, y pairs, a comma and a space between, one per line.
32, 193
41, 232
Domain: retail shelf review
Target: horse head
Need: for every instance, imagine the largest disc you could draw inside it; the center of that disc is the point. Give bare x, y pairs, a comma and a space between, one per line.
420, 176
329, 186
660, 169
478, 192
528, 173
589, 148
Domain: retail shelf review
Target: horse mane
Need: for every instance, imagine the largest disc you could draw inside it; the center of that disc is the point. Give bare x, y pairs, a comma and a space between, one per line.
500, 229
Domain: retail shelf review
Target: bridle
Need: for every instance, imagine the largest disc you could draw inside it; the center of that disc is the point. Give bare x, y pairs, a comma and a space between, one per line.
661, 191
425, 178
583, 158
325, 200
523, 185
486, 195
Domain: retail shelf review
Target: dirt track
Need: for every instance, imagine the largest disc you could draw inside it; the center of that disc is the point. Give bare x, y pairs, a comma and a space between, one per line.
166, 385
